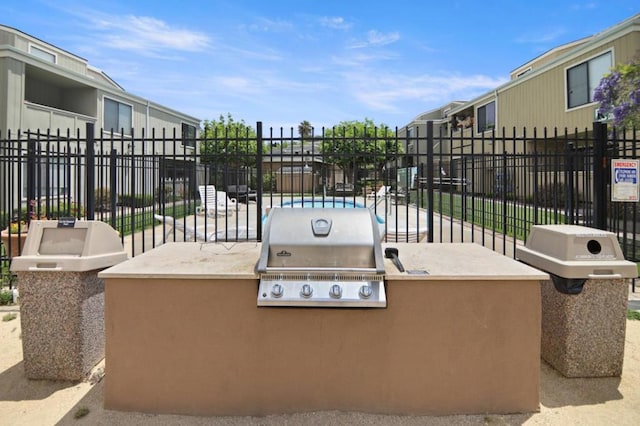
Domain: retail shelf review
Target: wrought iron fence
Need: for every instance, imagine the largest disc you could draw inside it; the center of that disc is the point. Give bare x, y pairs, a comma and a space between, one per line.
442, 185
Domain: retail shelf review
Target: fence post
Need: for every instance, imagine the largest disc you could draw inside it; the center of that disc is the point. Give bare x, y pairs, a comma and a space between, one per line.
600, 175
569, 182
430, 175
90, 161
113, 170
32, 174
259, 166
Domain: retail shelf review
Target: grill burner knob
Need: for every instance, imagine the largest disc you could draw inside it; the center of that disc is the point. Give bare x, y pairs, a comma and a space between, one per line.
306, 291
277, 290
365, 291
335, 291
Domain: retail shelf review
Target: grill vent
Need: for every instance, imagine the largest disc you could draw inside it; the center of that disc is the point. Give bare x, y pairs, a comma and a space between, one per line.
322, 277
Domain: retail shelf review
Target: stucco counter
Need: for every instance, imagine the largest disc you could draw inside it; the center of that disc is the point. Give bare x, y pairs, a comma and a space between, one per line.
460, 334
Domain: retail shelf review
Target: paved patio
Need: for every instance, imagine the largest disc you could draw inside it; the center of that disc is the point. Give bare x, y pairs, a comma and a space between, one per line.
396, 216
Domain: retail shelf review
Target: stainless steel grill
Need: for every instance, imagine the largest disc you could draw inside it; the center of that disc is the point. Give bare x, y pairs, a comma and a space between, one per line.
321, 258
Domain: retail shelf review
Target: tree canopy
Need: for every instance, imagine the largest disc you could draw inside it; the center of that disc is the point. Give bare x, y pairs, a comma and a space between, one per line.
619, 94
304, 129
228, 141
354, 145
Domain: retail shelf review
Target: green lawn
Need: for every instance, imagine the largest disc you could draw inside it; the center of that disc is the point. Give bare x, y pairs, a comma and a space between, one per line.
511, 218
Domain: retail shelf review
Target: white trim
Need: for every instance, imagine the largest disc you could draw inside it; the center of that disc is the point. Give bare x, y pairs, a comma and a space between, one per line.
573, 65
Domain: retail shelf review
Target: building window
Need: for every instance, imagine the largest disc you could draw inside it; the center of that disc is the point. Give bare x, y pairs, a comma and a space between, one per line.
52, 177
487, 117
188, 135
42, 54
583, 78
117, 116
523, 72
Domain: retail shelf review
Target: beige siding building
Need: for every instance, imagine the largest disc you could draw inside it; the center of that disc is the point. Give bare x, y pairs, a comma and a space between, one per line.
553, 90
45, 89
550, 93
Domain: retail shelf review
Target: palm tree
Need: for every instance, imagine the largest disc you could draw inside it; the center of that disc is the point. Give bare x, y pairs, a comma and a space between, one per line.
304, 129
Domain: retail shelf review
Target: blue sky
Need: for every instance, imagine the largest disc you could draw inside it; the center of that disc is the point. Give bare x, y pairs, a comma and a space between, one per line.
325, 61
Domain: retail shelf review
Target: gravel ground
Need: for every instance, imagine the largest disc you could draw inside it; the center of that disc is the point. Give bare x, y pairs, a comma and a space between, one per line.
563, 401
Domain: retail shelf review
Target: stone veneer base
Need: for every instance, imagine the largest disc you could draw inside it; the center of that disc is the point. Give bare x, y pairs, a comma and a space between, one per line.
583, 334
62, 317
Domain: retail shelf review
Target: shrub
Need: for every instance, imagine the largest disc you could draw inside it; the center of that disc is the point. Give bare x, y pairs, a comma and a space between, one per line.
9, 317
166, 194
103, 199
136, 200
6, 297
4, 220
633, 315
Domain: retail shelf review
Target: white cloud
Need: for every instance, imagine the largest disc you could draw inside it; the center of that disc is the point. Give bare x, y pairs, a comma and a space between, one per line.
270, 26
393, 93
379, 39
148, 35
375, 38
335, 22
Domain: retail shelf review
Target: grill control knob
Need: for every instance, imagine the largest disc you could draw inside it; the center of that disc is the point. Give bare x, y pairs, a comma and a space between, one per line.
365, 291
306, 291
335, 291
277, 290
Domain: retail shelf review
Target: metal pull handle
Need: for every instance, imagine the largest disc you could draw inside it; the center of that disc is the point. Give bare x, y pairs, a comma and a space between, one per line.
605, 276
45, 268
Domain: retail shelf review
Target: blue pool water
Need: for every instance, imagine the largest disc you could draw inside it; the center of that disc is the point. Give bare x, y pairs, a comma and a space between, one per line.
327, 203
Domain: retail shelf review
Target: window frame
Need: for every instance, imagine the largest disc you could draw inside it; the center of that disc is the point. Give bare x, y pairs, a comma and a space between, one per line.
484, 126
127, 131
524, 72
587, 78
33, 47
186, 139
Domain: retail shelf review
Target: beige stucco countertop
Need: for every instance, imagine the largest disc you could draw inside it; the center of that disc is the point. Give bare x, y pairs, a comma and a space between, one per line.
455, 261
452, 261
191, 260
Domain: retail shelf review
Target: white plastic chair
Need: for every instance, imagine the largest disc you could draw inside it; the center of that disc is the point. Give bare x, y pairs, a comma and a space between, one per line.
215, 203
383, 192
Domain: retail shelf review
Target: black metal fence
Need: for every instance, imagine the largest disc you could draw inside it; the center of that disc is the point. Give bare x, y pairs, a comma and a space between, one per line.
488, 188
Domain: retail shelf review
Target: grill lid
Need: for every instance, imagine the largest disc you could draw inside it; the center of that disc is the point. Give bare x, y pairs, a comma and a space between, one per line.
312, 239
321, 258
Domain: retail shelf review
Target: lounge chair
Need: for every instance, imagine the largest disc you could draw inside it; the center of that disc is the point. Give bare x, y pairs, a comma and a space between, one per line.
215, 203
382, 193
229, 204
199, 234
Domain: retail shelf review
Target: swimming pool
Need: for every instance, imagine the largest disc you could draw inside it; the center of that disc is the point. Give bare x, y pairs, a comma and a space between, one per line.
327, 203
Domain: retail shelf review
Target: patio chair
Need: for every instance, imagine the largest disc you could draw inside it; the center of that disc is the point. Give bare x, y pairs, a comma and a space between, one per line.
226, 203
214, 203
382, 193
199, 234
